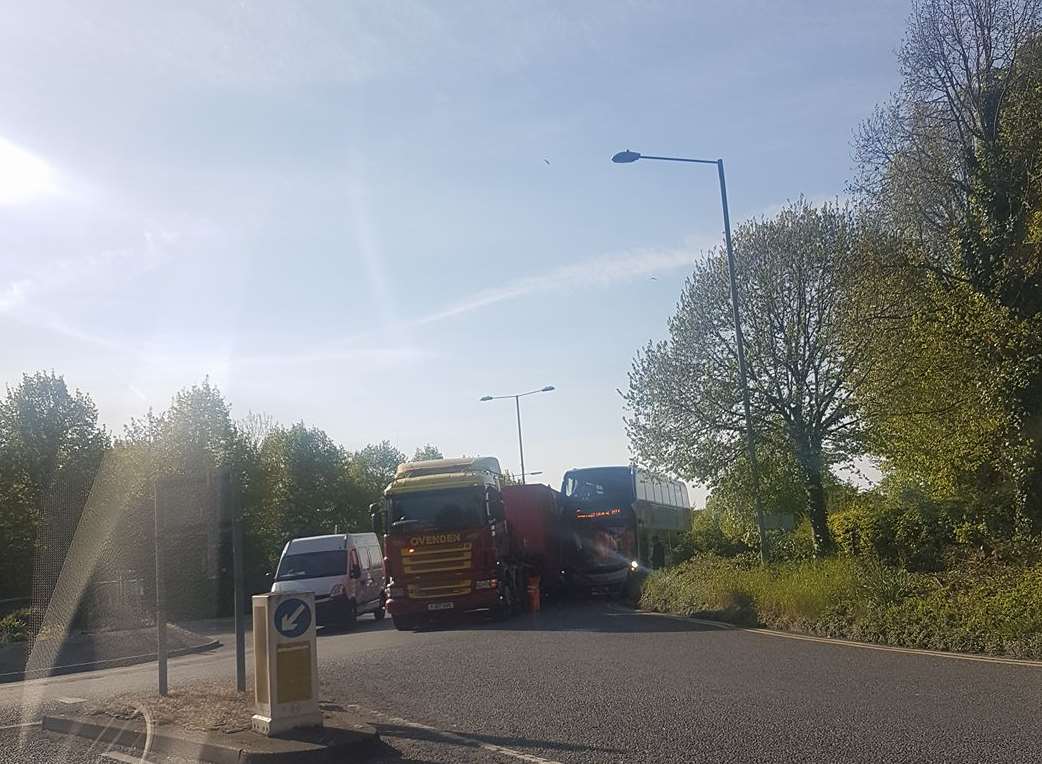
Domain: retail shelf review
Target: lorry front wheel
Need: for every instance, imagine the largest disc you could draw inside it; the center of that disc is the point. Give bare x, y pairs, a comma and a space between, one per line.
405, 624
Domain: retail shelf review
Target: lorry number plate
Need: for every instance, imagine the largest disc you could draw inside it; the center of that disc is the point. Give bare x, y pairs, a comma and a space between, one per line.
440, 606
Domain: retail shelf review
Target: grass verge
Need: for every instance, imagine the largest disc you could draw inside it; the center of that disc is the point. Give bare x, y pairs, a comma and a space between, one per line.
14, 627
986, 608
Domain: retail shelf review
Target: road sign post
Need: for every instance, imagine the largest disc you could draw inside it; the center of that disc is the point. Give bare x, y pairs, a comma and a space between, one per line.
285, 662
161, 651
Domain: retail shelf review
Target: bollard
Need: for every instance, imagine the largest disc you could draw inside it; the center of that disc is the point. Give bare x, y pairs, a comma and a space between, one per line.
285, 662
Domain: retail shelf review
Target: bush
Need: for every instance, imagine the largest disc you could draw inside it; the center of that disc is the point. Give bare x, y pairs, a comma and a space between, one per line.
683, 548
791, 546
708, 535
740, 590
14, 627
985, 607
906, 528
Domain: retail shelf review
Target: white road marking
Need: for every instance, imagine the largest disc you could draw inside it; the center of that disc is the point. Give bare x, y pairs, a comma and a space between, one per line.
460, 739
70, 701
23, 725
842, 642
123, 758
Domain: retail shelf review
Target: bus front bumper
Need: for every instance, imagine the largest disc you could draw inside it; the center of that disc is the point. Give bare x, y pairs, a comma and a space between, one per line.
594, 579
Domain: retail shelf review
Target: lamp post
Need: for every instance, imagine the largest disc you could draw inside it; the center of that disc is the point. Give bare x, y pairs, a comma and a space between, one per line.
626, 157
517, 406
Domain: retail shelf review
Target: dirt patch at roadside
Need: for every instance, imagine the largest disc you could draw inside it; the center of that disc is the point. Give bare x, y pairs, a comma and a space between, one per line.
205, 707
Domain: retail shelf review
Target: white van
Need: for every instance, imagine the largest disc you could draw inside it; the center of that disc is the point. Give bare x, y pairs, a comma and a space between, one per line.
345, 572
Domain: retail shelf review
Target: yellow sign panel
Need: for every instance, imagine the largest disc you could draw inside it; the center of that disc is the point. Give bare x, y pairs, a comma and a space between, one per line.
294, 671
260, 650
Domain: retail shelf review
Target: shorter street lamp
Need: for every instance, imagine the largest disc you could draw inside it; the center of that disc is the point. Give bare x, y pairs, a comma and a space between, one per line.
517, 405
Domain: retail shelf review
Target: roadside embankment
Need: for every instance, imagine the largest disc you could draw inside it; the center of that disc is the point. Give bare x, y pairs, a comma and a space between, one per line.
982, 607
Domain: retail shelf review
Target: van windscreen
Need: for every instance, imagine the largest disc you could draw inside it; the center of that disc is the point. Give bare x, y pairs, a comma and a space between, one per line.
312, 565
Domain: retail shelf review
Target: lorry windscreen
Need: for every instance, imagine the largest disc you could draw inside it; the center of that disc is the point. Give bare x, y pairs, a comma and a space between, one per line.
436, 510
312, 565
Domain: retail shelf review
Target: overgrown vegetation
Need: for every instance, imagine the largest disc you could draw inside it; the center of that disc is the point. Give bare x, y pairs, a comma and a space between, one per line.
14, 627
906, 327
988, 607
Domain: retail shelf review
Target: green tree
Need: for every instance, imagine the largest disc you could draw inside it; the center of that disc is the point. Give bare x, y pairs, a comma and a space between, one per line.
783, 491
49, 440
304, 486
429, 451
685, 409
950, 301
197, 432
371, 470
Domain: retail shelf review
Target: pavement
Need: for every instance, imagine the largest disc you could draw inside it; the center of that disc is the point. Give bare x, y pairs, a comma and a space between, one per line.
597, 683
76, 652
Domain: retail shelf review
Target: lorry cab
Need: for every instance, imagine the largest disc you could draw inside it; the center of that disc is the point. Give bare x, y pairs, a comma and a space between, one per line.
447, 541
345, 572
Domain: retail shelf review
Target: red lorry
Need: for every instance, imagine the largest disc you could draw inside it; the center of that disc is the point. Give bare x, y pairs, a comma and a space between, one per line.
456, 540
539, 532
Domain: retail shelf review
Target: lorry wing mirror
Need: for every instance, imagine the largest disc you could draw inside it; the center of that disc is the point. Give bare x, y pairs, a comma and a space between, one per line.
356, 571
494, 507
376, 516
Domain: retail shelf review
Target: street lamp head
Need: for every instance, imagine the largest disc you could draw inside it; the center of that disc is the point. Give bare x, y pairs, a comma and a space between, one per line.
486, 397
547, 389
625, 157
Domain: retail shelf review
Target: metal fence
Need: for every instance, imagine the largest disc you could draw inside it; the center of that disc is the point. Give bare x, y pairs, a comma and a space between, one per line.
94, 564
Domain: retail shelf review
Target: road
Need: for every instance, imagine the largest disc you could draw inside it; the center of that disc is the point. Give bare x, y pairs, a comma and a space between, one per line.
597, 683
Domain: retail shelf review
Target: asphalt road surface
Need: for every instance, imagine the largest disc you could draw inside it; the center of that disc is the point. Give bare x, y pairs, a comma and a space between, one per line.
597, 683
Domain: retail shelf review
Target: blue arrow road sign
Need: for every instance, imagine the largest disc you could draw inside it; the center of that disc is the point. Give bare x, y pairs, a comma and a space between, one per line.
292, 618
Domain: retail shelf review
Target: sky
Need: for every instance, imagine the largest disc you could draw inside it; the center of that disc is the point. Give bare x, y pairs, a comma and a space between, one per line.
367, 216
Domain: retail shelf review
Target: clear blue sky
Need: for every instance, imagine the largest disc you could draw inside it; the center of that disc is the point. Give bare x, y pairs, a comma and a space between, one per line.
366, 216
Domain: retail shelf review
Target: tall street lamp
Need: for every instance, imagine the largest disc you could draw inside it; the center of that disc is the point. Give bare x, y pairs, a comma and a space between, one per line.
517, 405
626, 157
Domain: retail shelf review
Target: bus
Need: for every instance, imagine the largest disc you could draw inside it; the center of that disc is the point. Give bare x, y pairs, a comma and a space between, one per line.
625, 518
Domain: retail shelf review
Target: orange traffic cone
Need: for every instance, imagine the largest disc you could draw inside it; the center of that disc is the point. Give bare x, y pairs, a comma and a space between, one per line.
533, 593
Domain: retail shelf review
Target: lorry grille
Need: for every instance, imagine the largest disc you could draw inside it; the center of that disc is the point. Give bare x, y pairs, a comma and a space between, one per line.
454, 589
437, 559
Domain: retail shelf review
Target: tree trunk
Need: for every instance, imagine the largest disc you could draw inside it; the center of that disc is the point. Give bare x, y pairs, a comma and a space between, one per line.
1028, 510
813, 469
